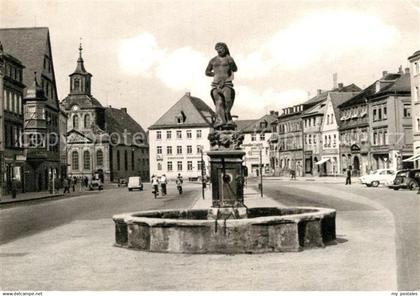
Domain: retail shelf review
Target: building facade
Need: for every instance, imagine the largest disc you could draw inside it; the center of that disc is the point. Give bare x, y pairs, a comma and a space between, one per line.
256, 135
11, 123
102, 142
330, 163
41, 109
290, 142
415, 105
354, 133
390, 120
312, 119
179, 138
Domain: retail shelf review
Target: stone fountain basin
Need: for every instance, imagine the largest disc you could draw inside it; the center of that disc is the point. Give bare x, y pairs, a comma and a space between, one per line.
266, 229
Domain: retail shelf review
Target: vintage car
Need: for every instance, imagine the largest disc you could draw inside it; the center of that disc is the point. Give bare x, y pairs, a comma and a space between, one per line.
135, 183
380, 176
95, 184
406, 179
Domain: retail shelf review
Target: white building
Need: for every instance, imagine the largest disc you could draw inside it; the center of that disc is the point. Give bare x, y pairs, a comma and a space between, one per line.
178, 138
256, 134
330, 136
415, 101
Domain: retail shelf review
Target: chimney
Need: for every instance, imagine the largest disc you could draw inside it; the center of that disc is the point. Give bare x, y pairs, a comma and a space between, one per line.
340, 86
400, 70
124, 110
276, 113
384, 73
407, 70
319, 91
188, 94
335, 80
272, 112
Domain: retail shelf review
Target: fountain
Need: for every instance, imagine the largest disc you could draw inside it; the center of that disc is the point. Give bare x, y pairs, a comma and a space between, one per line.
228, 226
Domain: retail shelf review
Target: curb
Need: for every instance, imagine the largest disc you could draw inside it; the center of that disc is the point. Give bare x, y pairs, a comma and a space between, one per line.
29, 199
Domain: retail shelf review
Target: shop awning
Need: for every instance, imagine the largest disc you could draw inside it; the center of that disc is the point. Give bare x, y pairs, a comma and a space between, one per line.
322, 161
412, 158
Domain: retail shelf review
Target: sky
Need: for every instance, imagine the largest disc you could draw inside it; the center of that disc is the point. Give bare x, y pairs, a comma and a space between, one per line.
144, 55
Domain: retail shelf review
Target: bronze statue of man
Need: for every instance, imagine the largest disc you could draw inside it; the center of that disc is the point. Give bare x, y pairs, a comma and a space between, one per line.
221, 67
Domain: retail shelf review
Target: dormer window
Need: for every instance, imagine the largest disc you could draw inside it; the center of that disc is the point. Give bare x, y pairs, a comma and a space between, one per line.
263, 124
180, 118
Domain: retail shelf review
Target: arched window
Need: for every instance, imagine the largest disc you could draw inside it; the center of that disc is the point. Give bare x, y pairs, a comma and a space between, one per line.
75, 122
87, 121
118, 160
76, 85
126, 160
99, 158
75, 160
86, 160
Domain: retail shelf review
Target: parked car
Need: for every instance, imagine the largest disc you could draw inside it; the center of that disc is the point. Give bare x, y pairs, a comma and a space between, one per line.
381, 176
122, 182
135, 183
96, 184
406, 179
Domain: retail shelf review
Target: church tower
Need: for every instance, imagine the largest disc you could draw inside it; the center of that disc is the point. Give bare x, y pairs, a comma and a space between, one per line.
80, 78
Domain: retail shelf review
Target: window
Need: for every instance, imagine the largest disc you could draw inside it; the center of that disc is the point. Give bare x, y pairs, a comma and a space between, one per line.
159, 150
178, 149
169, 150
86, 160
198, 134
329, 141
198, 165
132, 160
75, 122
386, 138
75, 160
418, 124
375, 138
76, 85
189, 149
253, 137
417, 94
262, 137
126, 160
87, 121
380, 114
179, 166
189, 165
375, 115
385, 116
158, 135
159, 166
99, 158
169, 166
310, 139
407, 111
179, 134
118, 160
189, 134
168, 135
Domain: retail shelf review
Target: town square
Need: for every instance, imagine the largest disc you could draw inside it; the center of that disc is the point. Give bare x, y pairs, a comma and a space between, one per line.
210, 146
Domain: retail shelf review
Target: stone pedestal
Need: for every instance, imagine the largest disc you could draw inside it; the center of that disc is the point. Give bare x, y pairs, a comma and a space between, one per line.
227, 178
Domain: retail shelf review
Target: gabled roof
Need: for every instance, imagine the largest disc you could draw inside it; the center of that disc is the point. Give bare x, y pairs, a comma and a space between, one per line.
323, 95
401, 85
254, 125
118, 121
29, 46
194, 111
317, 109
338, 98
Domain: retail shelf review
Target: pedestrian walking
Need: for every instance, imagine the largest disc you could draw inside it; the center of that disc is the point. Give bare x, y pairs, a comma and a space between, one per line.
85, 181
155, 184
66, 186
74, 183
348, 178
179, 181
163, 182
